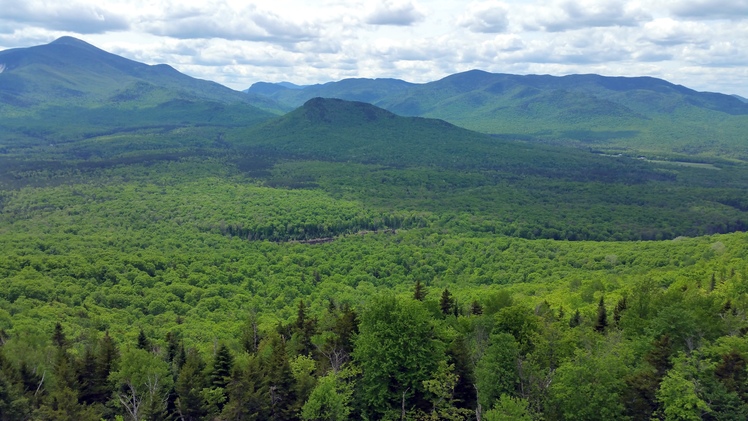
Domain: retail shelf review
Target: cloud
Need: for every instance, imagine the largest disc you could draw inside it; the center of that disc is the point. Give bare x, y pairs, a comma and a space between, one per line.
224, 22
489, 17
76, 16
668, 32
394, 13
571, 15
711, 9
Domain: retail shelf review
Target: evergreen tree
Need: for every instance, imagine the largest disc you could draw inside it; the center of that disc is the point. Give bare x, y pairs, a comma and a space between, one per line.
248, 396
458, 355
172, 346
621, 306
279, 381
304, 328
419, 291
223, 363
476, 308
188, 387
601, 322
446, 303
58, 337
575, 319
143, 342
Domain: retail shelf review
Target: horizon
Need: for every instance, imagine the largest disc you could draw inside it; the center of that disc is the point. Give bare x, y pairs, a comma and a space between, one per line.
701, 44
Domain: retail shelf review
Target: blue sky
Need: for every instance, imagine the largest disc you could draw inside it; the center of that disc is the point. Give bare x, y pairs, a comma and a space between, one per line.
702, 44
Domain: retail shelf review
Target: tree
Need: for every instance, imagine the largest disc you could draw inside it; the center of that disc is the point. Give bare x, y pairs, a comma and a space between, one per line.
279, 379
143, 342
419, 291
248, 396
447, 303
509, 409
393, 364
496, 371
601, 323
143, 382
223, 363
330, 399
189, 385
575, 320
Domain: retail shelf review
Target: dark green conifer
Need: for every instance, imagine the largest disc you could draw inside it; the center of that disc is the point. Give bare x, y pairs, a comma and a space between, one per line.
446, 303
58, 337
575, 319
419, 292
476, 308
621, 306
222, 365
601, 323
190, 382
143, 342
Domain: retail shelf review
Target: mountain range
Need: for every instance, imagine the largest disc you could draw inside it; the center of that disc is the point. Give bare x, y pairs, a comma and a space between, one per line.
616, 113
70, 90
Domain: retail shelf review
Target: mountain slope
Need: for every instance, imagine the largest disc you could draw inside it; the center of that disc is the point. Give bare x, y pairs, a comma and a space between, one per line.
615, 113
339, 130
70, 70
69, 90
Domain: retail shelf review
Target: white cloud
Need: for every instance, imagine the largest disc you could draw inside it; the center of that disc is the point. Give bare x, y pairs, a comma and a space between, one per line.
76, 16
487, 17
221, 20
667, 31
239, 42
711, 9
571, 15
397, 13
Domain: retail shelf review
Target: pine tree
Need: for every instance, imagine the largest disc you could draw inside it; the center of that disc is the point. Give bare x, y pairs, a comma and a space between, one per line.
304, 327
476, 308
446, 303
190, 382
279, 381
575, 320
621, 306
58, 337
602, 316
172, 346
143, 342
419, 292
220, 375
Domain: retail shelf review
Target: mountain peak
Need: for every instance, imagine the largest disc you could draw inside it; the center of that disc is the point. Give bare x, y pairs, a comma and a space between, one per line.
72, 41
338, 111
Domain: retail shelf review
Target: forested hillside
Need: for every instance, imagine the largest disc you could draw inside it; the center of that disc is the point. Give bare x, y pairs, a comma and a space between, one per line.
344, 262
640, 115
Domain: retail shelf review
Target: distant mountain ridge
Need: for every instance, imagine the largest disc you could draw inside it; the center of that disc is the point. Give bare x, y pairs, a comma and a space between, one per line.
641, 113
70, 90
70, 70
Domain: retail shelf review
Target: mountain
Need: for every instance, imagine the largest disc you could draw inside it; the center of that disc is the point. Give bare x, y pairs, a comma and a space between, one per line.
352, 131
69, 90
70, 70
615, 113
740, 98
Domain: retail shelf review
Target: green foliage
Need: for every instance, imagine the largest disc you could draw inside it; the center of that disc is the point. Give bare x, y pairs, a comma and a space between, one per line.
496, 371
393, 365
508, 409
329, 400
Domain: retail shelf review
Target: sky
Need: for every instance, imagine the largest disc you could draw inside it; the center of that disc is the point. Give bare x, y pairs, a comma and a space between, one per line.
702, 44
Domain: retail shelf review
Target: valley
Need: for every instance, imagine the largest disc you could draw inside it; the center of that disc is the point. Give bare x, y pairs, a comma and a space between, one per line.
481, 247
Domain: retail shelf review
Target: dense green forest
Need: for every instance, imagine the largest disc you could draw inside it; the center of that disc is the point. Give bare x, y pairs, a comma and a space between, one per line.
188, 289
180, 254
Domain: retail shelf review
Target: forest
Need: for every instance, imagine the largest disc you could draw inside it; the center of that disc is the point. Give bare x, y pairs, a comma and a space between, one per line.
187, 289
170, 250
